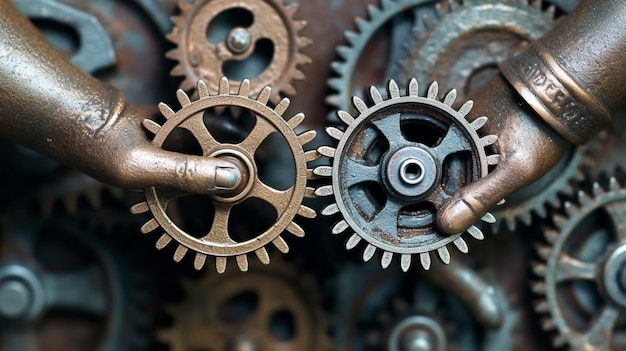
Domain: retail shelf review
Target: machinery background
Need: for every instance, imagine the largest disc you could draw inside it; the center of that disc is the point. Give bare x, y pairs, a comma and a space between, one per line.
515, 290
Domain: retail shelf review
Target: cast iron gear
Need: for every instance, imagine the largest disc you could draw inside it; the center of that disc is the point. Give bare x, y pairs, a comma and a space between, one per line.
396, 163
357, 43
268, 308
461, 44
218, 241
583, 286
270, 20
63, 287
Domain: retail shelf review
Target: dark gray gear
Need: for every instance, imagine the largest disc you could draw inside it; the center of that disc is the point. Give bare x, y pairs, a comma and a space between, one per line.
582, 272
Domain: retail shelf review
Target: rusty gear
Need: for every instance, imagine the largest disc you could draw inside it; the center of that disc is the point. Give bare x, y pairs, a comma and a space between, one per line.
396, 163
280, 312
287, 203
199, 58
582, 280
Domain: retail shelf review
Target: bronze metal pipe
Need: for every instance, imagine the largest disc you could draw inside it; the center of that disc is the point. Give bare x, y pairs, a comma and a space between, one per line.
48, 104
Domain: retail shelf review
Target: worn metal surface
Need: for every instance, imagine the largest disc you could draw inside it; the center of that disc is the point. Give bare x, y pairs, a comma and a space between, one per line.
395, 164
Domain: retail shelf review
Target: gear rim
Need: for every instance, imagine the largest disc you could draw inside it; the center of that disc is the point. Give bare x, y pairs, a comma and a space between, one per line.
480, 166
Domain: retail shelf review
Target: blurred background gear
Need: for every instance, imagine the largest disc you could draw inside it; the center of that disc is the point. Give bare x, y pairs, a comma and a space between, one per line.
64, 286
396, 163
272, 307
257, 40
219, 240
583, 260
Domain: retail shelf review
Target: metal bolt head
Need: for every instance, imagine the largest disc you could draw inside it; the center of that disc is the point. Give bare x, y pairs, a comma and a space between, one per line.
238, 40
15, 299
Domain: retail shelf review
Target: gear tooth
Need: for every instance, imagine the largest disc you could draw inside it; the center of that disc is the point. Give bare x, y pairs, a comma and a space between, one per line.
488, 140
311, 155
333, 100
444, 254
242, 262
360, 105
539, 269
413, 89
307, 137
466, 108
539, 288
300, 25
493, 160
303, 42
180, 253
386, 259
476, 233
560, 221
149, 226
163, 241
425, 260
450, 98
282, 106
174, 54
511, 224
139, 208
298, 75
344, 51
202, 89
433, 90
184, 6
373, 11
306, 212
570, 210
281, 244
295, 229
224, 86
526, 218
152, 126
263, 256
583, 197
330, 210
199, 261
551, 235
393, 89
547, 324
461, 245
264, 95
220, 264
405, 262
614, 184
489, 218
345, 117
323, 171
309, 192
290, 90
543, 251
178, 71
369, 252
375, 95
183, 98
326, 151
596, 189
354, 240
363, 25
334, 133
479, 122
340, 227
542, 307
386, 5
352, 37
291, 9
166, 111
296, 120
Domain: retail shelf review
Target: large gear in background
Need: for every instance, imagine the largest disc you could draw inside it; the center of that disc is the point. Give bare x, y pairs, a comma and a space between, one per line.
62, 287
346, 68
395, 165
236, 30
460, 45
583, 261
219, 241
268, 308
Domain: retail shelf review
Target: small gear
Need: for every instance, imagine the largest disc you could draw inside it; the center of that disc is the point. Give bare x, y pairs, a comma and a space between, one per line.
583, 288
357, 43
396, 164
63, 287
287, 203
268, 308
253, 24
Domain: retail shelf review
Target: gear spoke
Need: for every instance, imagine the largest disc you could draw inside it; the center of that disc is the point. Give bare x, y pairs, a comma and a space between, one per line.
569, 268
450, 143
356, 172
277, 198
386, 221
195, 124
219, 229
599, 337
389, 126
80, 291
259, 133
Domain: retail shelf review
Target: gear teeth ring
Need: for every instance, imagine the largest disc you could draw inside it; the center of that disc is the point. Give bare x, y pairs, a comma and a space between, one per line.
354, 167
287, 203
